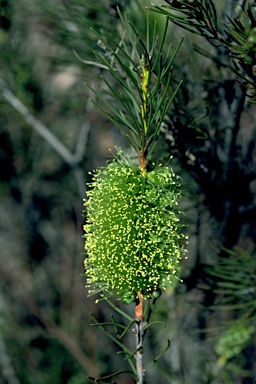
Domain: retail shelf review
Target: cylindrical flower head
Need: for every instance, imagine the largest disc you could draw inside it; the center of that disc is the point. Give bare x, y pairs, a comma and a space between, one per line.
132, 231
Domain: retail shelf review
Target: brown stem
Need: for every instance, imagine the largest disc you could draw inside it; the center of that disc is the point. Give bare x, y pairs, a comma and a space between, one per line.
143, 163
139, 307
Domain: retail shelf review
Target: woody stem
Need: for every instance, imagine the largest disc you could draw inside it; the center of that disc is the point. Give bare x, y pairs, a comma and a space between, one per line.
139, 328
143, 162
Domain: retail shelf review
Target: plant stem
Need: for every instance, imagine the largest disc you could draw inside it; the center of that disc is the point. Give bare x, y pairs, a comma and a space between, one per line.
139, 331
143, 163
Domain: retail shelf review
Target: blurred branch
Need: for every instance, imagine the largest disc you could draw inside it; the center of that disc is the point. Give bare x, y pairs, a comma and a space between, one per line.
5, 361
57, 333
37, 125
67, 156
53, 330
80, 180
73, 160
6, 364
229, 9
239, 7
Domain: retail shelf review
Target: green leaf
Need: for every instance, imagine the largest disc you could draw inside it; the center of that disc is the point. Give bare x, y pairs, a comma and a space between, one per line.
118, 342
160, 355
118, 310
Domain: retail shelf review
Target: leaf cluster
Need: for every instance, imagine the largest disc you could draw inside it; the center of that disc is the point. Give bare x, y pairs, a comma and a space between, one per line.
242, 37
196, 16
236, 281
237, 35
235, 290
136, 110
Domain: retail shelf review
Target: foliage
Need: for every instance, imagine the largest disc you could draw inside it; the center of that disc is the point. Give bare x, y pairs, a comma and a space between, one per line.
235, 289
237, 35
144, 76
119, 336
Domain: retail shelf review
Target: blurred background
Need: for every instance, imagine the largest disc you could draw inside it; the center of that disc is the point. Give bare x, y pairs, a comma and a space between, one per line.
51, 136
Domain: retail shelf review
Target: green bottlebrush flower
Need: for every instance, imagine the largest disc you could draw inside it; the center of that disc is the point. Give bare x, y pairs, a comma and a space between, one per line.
132, 234
233, 341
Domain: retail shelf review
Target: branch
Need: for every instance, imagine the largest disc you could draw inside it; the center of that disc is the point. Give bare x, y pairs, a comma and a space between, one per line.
139, 332
36, 124
239, 7
53, 330
72, 160
44, 132
5, 361
229, 9
80, 180
232, 11
81, 143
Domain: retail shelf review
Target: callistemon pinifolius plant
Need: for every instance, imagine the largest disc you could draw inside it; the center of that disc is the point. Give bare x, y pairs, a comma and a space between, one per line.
133, 240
